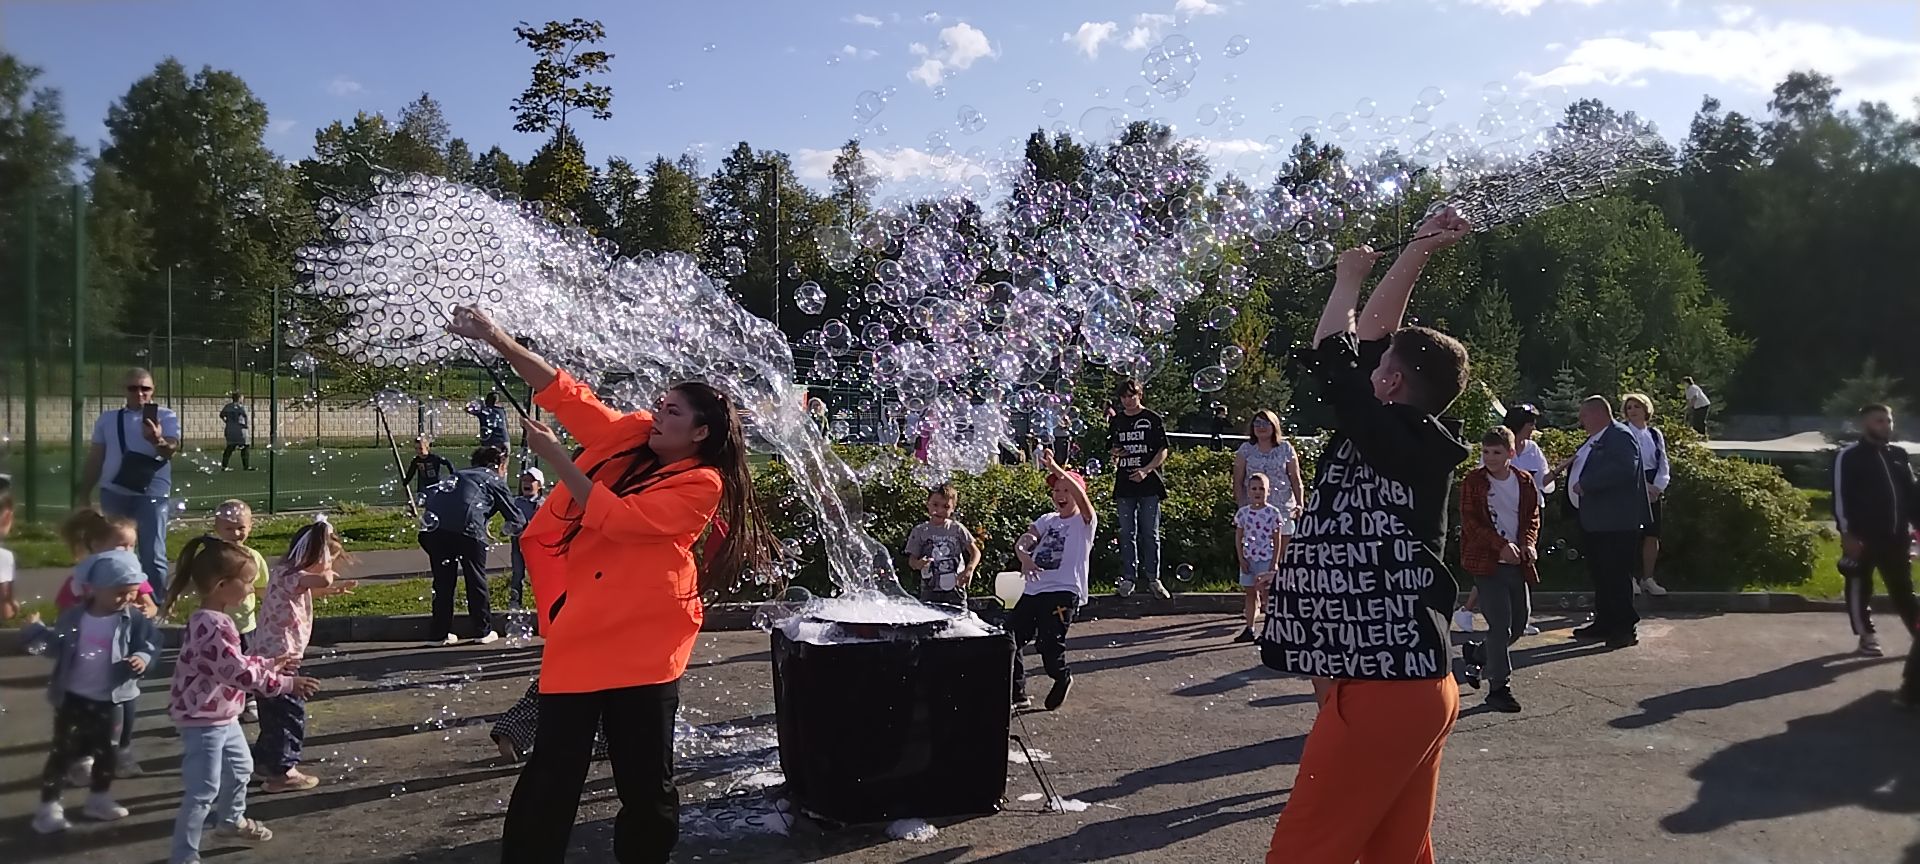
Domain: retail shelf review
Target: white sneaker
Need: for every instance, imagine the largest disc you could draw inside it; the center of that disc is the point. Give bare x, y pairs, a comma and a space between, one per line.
51, 818
1531, 630
490, 638
101, 807
450, 639
125, 764
1870, 645
1159, 590
1652, 587
1463, 619
80, 773
1636, 587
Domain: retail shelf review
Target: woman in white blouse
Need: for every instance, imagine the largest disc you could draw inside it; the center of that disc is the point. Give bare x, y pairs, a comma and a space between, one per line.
1638, 410
1267, 451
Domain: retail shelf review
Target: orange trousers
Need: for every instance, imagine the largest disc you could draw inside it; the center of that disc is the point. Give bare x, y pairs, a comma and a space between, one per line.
1369, 775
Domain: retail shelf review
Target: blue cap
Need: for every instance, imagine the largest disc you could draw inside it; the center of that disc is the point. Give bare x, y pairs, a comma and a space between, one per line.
115, 569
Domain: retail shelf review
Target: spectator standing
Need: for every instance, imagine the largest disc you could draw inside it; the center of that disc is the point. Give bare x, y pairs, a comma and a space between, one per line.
131, 465
454, 536
493, 421
1499, 534
1875, 505
1697, 405
1137, 439
532, 495
234, 416
1607, 483
1638, 410
1267, 451
1218, 429
427, 465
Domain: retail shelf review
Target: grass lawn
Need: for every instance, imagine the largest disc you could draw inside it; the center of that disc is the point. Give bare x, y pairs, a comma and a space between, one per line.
38, 544
303, 479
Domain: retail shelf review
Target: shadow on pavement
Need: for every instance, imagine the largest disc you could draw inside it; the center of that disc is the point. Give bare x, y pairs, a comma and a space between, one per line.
1130, 835
1859, 755
1792, 678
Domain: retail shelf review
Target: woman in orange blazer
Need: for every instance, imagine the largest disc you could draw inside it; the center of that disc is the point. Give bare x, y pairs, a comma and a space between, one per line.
610, 558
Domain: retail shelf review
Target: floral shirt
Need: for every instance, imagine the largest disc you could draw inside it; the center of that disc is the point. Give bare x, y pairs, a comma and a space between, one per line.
211, 677
1257, 527
286, 616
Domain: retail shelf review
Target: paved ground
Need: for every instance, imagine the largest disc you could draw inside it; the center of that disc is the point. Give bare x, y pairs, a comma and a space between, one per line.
368, 565
1751, 738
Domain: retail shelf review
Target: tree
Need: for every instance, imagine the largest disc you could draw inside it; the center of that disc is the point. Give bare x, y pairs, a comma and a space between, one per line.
346, 157
619, 193
1059, 160
1870, 386
459, 160
559, 75
36, 170
853, 183
669, 218
496, 172
220, 208
419, 143
759, 209
558, 175
1560, 402
1495, 341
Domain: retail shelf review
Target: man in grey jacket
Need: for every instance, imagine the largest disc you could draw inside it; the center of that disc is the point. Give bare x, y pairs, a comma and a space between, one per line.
1606, 482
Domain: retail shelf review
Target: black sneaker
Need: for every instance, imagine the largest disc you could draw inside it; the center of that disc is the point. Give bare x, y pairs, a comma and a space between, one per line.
1501, 700
1245, 635
1474, 653
1623, 640
1058, 694
1591, 632
1471, 674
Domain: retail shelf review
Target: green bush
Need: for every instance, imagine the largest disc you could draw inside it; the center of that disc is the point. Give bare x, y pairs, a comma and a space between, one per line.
1729, 523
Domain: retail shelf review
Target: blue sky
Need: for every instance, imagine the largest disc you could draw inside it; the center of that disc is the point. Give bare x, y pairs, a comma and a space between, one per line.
786, 73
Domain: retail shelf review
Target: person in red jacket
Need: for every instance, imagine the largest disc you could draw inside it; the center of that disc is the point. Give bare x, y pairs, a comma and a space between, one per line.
618, 592
1499, 532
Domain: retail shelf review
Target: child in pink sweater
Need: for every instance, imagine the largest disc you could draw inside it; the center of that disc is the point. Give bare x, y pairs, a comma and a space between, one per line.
210, 681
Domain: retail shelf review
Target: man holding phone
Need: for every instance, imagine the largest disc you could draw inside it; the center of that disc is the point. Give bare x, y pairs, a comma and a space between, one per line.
131, 463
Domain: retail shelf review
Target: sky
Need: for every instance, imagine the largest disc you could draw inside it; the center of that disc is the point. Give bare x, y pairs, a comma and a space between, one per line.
974, 77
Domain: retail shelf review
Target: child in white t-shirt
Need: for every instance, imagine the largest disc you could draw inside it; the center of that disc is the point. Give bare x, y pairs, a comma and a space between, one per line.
1054, 556
1260, 533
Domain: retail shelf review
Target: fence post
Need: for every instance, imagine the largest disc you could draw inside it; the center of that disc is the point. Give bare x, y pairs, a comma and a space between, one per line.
75, 454
273, 400
30, 484
170, 392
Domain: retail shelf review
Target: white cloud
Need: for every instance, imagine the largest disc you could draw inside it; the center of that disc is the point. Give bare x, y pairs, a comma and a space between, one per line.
1753, 58
892, 165
1524, 7
341, 85
863, 20
931, 17
1087, 39
1197, 7
960, 45
1146, 30
852, 52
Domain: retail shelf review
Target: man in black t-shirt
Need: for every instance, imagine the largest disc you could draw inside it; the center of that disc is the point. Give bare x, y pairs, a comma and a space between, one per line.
1138, 441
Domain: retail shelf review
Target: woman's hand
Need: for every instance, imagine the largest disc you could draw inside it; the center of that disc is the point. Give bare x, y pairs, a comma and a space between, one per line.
1441, 230
542, 441
474, 324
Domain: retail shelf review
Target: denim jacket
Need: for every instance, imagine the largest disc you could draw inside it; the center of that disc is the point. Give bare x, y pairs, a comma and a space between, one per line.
135, 637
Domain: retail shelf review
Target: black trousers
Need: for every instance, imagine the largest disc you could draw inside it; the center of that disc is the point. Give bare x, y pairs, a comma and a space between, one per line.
455, 557
1041, 619
246, 459
81, 727
638, 722
283, 734
1896, 570
1613, 557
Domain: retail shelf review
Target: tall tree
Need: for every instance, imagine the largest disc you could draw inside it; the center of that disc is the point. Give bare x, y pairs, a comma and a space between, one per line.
853, 183
619, 194
419, 141
560, 86
346, 157
558, 174
36, 170
459, 160
496, 172
221, 209
670, 214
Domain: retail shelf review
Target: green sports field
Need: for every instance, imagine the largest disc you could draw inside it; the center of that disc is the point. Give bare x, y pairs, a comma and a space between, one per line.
303, 478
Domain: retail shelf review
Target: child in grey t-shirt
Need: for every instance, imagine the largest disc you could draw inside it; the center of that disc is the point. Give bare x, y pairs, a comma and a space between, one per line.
942, 550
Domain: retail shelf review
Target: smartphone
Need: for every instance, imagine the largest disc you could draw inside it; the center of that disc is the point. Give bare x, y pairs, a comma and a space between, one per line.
150, 412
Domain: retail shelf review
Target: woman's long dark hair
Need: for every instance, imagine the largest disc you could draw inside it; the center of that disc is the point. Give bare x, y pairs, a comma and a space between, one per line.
746, 544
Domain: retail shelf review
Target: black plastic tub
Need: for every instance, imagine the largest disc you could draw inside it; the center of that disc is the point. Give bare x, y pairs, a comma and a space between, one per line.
913, 726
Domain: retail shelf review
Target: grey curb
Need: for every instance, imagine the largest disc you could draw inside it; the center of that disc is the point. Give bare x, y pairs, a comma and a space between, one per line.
739, 616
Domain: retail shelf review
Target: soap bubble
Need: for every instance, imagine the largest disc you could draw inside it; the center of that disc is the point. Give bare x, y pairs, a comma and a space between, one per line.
1431, 97
1033, 85
1493, 92
1183, 573
1238, 45
1210, 379
1231, 357
810, 298
970, 120
1221, 317
1052, 107
676, 85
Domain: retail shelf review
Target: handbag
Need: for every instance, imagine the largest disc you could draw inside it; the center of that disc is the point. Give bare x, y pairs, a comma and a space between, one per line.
136, 469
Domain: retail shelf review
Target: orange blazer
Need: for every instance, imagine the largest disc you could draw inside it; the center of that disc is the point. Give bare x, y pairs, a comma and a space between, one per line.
620, 606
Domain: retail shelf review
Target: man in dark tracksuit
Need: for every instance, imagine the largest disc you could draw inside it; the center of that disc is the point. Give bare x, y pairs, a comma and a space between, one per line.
454, 536
1874, 506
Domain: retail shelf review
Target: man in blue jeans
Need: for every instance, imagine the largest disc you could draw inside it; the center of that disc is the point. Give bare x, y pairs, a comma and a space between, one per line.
1138, 442
131, 464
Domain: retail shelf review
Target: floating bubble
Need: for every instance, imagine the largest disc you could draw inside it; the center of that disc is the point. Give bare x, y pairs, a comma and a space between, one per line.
1494, 93
1237, 45
970, 120
1221, 317
1183, 573
676, 85
1231, 357
1431, 97
1052, 107
810, 298
1210, 379
1033, 85
1207, 114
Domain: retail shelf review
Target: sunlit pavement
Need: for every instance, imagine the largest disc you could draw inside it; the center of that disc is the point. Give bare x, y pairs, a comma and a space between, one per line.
1738, 738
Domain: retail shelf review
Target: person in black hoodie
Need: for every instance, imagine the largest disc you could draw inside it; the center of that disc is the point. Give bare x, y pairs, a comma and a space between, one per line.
1361, 599
454, 535
1874, 506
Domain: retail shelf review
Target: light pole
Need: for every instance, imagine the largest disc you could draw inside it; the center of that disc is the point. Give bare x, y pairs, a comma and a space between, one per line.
771, 169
